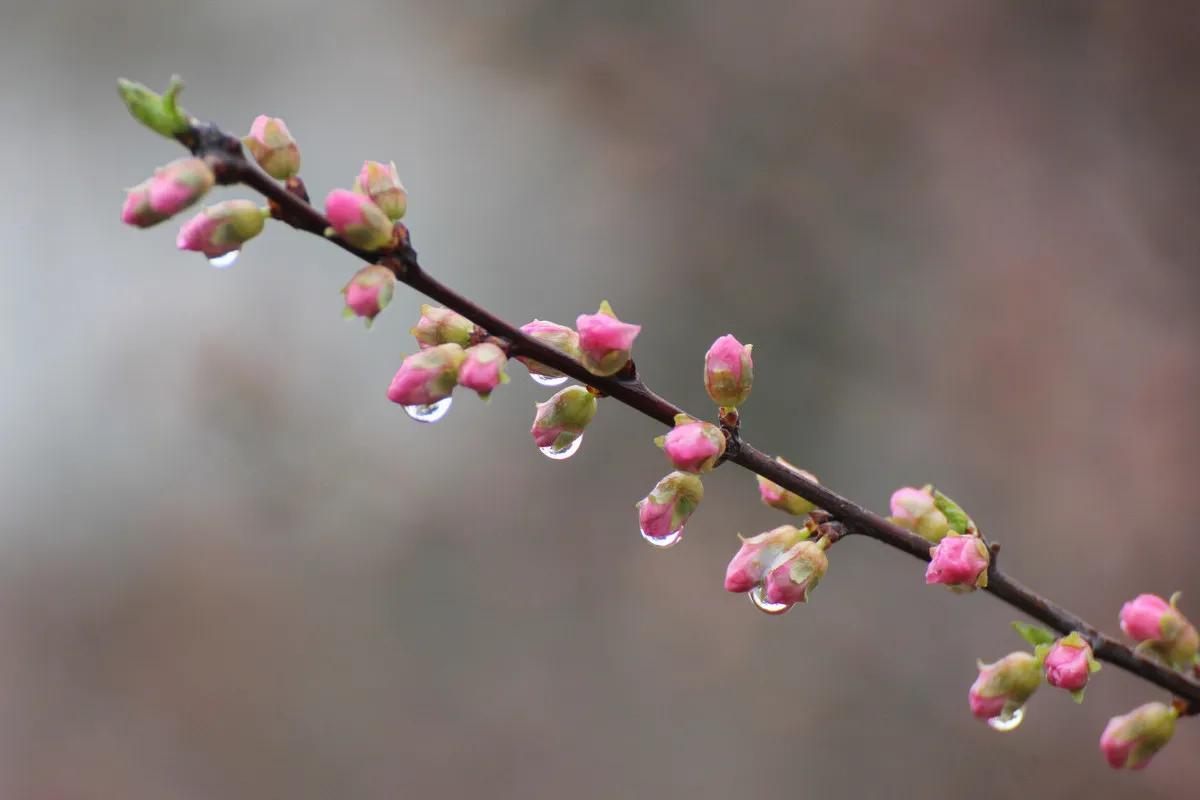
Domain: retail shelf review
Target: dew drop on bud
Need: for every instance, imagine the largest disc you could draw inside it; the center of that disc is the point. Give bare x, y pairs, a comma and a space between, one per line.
760, 601
226, 260
429, 413
1007, 722
560, 453
663, 542
548, 380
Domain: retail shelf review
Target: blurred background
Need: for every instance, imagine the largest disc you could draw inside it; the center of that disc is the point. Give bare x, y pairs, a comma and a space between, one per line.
961, 236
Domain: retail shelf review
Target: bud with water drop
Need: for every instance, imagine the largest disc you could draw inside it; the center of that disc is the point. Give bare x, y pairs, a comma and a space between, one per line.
916, 510
272, 145
439, 325
427, 376
749, 565
381, 182
560, 337
560, 420
960, 562
222, 228
667, 508
357, 219
1160, 628
775, 496
369, 292
728, 372
604, 341
794, 575
1129, 741
692, 445
1069, 664
171, 189
1002, 687
483, 369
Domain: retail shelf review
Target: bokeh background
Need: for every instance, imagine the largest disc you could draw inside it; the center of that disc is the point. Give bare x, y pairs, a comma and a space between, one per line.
961, 236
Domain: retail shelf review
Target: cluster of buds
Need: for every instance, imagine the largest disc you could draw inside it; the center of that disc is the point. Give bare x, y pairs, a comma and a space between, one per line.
780, 566
1161, 630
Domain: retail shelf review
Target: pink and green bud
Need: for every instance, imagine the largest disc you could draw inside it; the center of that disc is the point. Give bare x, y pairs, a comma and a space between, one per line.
222, 228
1003, 687
560, 337
796, 573
273, 147
171, 189
1159, 627
1069, 664
693, 446
382, 184
439, 325
561, 420
605, 341
357, 219
369, 292
750, 564
916, 510
1131, 740
483, 369
776, 496
427, 376
667, 508
728, 372
960, 562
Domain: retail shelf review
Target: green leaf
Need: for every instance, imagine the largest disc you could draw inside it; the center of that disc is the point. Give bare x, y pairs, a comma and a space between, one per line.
958, 519
158, 112
1035, 635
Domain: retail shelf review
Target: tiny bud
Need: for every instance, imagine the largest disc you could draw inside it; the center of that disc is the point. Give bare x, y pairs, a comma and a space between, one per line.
960, 562
355, 218
1131, 740
1003, 687
427, 376
382, 184
693, 446
776, 496
605, 341
222, 228
728, 372
483, 369
1069, 664
273, 147
172, 188
796, 573
667, 508
439, 325
561, 419
915, 510
749, 565
1160, 628
560, 337
369, 292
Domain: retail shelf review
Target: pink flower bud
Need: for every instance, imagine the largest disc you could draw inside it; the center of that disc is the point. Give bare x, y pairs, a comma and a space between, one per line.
439, 325
776, 496
222, 228
960, 562
749, 565
1160, 628
427, 376
669, 505
560, 420
915, 509
170, 190
1069, 664
693, 446
382, 184
483, 369
1131, 740
728, 372
1003, 687
792, 576
273, 147
605, 341
355, 218
560, 337
369, 292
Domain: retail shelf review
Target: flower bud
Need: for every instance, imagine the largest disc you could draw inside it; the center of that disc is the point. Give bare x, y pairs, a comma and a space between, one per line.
427, 376
483, 369
439, 325
171, 189
355, 218
915, 510
1069, 664
369, 292
560, 420
1131, 740
382, 184
728, 372
776, 496
560, 337
667, 508
749, 565
273, 147
1003, 687
693, 446
605, 341
222, 228
796, 573
960, 562
1159, 627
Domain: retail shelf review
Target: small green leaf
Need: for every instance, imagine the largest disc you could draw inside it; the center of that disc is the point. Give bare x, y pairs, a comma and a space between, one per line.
159, 113
958, 519
1033, 634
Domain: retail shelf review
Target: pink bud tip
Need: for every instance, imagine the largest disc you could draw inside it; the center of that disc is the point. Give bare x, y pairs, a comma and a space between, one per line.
604, 341
483, 369
357, 219
959, 562
369, 292
272, 145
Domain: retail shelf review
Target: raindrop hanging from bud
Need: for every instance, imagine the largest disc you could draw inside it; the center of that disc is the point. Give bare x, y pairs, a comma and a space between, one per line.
430, 413
556, 453
547, 380
760, 601
663, 542
225, 261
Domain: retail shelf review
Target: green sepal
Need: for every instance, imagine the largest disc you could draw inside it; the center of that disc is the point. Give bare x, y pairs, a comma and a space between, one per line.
347, 313
660, 441
1077, 695
958, 519
1034, 635
158, 112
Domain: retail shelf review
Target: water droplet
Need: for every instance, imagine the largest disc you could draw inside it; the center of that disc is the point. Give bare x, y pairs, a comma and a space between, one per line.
547, 380
429, 413
664, 542
225, 261
1007, 722
560, 453
760, 601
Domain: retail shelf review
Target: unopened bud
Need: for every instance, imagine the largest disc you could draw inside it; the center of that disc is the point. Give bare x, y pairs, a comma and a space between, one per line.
369, 292
776, 496
273, 147
560, 420
439, 325
483, 369
916, 510
427, 376
692, 445
1069, 664
357, 219
749, 565
171, 189
222, 228
1003, 687
1131, 740
960, 562
728, 372
1158, 626
604, 341
560, 337
667, 508
382, 184
796, 573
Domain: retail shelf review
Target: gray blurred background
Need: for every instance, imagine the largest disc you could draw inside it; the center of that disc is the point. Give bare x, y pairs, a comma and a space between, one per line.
961, 236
